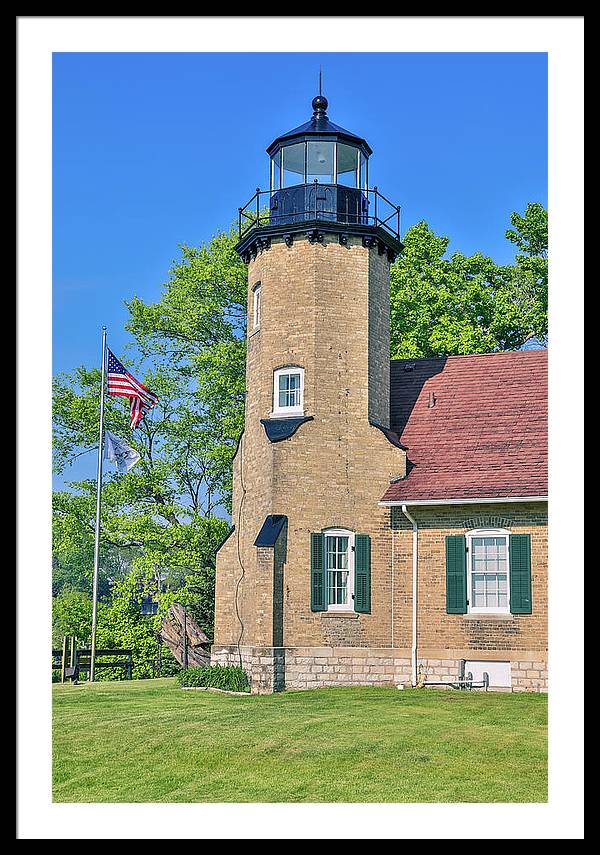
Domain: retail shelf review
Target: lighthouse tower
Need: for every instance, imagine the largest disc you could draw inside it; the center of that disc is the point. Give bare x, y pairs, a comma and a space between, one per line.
307, 564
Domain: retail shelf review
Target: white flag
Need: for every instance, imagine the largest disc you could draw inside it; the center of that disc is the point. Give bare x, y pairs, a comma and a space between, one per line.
116, 449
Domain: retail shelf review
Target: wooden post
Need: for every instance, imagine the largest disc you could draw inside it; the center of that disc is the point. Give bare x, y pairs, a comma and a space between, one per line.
63, 661
73, 658
185, 640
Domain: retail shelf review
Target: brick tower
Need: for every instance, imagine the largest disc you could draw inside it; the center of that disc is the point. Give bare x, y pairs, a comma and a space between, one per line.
307, 562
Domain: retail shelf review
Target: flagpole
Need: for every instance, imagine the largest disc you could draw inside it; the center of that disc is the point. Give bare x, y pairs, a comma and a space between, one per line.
98, 503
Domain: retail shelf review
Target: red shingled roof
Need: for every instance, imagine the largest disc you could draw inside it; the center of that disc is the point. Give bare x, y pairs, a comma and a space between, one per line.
486, 433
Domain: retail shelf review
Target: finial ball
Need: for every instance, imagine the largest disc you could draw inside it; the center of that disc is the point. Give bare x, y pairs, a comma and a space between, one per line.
320, 104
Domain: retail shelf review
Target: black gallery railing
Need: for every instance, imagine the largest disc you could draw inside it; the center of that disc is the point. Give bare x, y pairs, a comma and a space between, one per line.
321, 202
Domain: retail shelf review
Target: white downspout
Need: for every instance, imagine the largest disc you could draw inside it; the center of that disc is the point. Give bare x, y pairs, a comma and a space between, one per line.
415, 558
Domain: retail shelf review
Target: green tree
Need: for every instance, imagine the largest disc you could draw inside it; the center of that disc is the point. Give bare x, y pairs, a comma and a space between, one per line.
197, 331
120, 625
71, 615
469, 304
73, 551
530, 278
530, 233
160, 519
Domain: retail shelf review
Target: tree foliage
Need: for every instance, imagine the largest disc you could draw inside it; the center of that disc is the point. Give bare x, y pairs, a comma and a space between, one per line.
161, 520
469, 304
197, 330
120, 625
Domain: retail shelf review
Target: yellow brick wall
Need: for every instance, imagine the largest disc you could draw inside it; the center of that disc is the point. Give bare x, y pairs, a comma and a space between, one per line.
462, 635
325, 307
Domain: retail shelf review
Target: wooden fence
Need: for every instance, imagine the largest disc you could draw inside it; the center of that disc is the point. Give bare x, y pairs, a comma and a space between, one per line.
72, 660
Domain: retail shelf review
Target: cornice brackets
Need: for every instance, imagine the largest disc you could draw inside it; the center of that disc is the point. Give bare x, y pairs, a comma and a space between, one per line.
315, 235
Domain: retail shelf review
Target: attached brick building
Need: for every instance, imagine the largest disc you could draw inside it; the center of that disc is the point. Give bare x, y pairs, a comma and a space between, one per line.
389, 518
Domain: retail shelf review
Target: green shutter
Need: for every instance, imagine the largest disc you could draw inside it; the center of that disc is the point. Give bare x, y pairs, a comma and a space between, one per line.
362, 573
318, 587
456, 574
520, 574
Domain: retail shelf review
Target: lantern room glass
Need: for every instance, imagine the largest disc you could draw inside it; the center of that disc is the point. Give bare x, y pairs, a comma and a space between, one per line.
325, 161
319, 162
347, 165
293, 165
276, 171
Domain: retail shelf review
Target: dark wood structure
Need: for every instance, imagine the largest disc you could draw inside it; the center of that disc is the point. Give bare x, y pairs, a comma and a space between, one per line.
78, 660
184, 638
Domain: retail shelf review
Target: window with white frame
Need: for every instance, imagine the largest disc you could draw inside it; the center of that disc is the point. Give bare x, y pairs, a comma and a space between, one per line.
339, 566
288, 391
257, 299
488, 576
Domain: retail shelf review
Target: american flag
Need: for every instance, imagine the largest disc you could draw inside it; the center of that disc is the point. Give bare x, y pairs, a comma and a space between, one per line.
121, 382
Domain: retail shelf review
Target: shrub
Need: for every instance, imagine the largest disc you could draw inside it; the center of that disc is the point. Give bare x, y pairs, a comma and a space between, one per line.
229, 677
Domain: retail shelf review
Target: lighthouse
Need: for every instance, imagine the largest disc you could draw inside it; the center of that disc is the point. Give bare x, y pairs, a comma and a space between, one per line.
306, 566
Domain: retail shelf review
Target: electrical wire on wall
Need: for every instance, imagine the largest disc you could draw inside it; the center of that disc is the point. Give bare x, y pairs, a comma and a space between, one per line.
238, 530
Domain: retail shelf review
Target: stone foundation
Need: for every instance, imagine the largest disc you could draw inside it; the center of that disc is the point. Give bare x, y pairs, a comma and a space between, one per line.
315, 667
529, 676
265, 666
525, 676
273, 669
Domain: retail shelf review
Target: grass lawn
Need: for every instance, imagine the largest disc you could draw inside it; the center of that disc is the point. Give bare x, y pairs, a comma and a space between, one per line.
150, 741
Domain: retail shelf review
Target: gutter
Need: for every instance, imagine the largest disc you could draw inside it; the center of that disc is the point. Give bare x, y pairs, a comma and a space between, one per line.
478, 501
415, 560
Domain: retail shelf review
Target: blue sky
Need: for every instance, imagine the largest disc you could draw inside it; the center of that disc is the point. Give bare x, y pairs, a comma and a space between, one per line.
154, 150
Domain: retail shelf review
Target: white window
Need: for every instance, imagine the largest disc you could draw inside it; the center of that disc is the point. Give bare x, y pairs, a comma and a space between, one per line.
257, 304
339, 566
288, 392
488, 578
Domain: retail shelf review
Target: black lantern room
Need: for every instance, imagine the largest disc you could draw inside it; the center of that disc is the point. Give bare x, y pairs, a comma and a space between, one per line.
319, 177
319, 169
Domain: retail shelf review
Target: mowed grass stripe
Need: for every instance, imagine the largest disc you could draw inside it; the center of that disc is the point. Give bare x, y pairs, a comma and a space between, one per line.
150, 741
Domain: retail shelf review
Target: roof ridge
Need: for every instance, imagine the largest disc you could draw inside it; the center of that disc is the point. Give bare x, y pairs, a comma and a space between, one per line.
467, 355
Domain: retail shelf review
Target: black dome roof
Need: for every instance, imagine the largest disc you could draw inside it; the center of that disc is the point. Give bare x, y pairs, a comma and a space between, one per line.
319, 125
